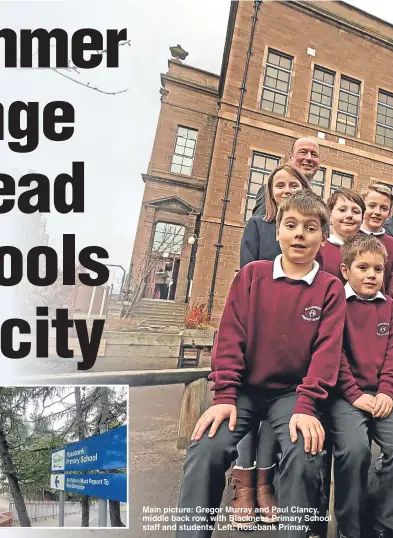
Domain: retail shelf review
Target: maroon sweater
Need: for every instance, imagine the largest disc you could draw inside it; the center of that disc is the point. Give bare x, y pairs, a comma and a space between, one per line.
367, 357
388, 280
329, 257
279, 334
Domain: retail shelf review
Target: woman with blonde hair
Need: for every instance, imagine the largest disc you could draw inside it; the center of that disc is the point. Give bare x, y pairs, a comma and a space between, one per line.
258, 450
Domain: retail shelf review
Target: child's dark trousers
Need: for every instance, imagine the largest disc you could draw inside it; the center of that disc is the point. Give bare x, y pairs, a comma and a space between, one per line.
352, 430
209, 459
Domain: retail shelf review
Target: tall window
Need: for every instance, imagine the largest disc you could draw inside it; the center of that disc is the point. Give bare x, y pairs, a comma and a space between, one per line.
339, 179
168, 238
384, 134
261, 166
318, 183
277, 82
321, 97
183, 156
348, 106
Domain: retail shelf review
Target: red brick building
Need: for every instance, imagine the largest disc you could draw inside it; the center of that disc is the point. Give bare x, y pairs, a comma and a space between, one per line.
319, 69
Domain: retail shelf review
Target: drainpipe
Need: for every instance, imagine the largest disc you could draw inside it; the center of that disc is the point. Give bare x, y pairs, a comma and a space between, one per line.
232, 157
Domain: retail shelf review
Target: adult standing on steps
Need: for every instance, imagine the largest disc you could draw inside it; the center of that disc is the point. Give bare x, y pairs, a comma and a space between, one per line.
304, 155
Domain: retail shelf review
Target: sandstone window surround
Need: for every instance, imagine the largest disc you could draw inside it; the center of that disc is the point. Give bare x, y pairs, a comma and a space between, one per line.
384, 133
184, 151
277, 82
261, 166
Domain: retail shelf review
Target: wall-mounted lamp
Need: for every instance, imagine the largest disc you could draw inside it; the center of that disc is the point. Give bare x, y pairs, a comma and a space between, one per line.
192, 239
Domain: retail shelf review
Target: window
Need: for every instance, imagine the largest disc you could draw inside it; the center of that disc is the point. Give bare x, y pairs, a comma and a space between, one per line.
318, 183
339, 179
384, 134
168, 238
261, 166
277, 82
183, 156
321, 97
348, 106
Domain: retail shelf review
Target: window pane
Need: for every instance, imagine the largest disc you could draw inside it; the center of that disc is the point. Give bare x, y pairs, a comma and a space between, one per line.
271, 72
176, 168
257, 178
258, 161
317, 189
187, 161
188, 152
323, 122
318, 74
347, 182
269, 96
192, 134
273, 58
282, 86
382, 97
279, 109
344, 84
280, 99
286, 63
267, 105
181, 141
185, 170
182, 131
325, 112
177, 159
271, 164
180, 150
190, 143
283, 75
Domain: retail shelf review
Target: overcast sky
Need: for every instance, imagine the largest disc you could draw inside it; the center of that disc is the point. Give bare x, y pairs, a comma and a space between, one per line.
114, 133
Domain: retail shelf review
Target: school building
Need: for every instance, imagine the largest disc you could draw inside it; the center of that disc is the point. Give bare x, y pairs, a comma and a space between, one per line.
289, 69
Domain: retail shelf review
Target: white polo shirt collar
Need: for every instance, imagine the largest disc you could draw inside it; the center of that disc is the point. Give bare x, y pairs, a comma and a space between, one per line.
349, 292
334, 240
373, 233
278, 271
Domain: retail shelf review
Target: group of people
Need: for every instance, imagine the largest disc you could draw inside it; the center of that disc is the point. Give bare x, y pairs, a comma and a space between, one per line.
304, 350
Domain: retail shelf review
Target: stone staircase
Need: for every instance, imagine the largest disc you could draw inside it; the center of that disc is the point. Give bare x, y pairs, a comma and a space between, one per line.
161, 313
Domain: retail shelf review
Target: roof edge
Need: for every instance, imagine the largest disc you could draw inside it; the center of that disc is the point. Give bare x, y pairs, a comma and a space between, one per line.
228, 45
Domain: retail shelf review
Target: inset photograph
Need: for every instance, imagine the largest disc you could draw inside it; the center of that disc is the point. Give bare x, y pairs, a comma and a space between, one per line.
64, 456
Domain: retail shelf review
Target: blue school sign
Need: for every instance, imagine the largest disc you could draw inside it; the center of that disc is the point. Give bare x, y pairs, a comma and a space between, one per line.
105, 485
105, 451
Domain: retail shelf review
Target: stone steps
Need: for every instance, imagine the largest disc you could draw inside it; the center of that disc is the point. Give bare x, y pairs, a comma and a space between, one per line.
156, 312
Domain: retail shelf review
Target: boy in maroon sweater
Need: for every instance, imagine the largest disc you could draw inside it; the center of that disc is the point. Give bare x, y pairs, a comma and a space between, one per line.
276, 356
378, 199
362, 408
346, 208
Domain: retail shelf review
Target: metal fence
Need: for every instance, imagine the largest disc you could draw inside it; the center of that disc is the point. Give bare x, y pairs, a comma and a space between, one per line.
45, 509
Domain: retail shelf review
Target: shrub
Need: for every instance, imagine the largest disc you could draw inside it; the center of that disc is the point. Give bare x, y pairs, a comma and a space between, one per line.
197, 316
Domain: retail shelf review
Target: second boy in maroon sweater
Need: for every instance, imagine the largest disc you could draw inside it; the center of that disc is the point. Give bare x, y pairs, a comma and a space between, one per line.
276, 356
362, 408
